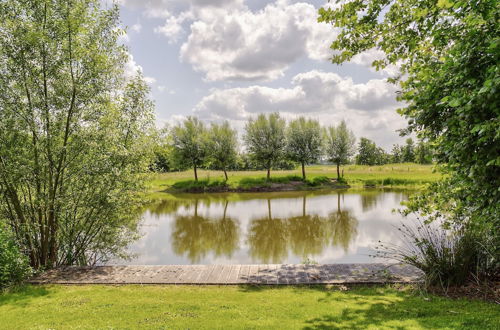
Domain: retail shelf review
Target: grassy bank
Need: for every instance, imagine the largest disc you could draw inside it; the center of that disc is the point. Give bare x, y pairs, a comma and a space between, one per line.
233, 307
392, 175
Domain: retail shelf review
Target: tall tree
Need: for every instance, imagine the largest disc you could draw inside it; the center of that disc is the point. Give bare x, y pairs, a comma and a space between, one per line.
448, 54
265, 139
304, 141
397, 154
368, 153
190, 144
72, 131
423, 153
340, 145
223, 146
409, 151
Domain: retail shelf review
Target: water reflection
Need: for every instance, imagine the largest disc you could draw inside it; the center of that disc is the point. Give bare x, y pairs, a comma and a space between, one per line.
270, 238
337, 226
195, 236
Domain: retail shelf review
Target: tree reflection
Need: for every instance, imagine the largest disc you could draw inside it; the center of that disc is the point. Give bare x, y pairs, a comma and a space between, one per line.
270, 239
196, 236
343, 226
267, 238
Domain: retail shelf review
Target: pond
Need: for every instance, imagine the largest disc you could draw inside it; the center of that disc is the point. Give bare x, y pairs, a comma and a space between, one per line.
280, 227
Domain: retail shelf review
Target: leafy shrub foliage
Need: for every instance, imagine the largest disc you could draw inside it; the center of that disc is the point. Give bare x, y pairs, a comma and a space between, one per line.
14, 266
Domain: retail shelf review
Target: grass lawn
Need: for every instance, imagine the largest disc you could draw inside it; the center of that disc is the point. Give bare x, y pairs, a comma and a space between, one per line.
356, 175
238, 307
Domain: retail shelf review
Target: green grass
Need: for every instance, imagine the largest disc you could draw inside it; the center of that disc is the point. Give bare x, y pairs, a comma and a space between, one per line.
238, 307
393, 175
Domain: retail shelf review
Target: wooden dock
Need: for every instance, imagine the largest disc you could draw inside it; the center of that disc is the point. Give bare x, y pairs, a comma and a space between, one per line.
275, 274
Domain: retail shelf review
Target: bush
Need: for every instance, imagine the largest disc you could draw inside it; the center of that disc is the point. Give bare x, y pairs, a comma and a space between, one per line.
447, 257
198, 186
14, 266
318, 181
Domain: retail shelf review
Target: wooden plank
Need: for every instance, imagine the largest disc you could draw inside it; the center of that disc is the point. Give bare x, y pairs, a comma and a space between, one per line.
243, 275
234, 275
253, 273
204, 274
214, 275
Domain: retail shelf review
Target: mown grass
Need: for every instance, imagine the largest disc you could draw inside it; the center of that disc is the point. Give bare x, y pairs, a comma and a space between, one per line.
392, 175
238, 307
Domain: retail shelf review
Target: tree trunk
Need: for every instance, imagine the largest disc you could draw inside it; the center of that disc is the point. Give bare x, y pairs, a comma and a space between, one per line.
338, 171
195, 173
303, 171
225, 174
268, 173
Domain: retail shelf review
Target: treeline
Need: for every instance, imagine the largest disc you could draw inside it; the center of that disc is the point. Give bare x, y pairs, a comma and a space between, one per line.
270, 143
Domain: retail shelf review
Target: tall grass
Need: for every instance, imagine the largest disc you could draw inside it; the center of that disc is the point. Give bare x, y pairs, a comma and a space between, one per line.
448, 257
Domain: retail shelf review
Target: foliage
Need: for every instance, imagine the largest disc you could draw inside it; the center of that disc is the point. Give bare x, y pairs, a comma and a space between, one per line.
409, 151
304, 141
222, 146
265, 139
240, 307
189, 144
74, 136
340, 145
423, 153
199, 185
14, 265
369, 153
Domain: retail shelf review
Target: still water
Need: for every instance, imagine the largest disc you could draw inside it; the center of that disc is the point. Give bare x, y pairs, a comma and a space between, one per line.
281, 227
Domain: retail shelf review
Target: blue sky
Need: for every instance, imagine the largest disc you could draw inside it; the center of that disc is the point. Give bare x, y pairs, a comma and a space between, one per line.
233, 59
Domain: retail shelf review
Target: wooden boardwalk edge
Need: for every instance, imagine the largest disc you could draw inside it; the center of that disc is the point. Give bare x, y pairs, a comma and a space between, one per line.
264, 274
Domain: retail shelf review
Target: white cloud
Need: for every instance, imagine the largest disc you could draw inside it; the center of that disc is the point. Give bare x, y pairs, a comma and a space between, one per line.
131, 68
367, 107
136, 27
234, 43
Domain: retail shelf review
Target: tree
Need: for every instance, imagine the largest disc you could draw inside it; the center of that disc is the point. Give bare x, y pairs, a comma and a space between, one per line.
340, 145
423, 153
397, 154
74, 133
223, 145
189, 144
304, 143
265, 139
409, 151
369, 153
447, 53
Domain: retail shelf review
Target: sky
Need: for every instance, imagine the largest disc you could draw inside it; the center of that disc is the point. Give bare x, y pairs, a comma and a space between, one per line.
234, 59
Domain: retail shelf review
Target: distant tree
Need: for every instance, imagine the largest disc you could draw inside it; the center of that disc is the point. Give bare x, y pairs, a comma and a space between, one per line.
409, 151
397, 154
189, 144
370, 154
304, 141
265, 139
222, 146
423, 153
340, 145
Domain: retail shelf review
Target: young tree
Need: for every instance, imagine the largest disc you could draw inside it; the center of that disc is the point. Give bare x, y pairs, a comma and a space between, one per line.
304, 143
74, 133
190, 144
340, 145
222, 145
265, 139
409, 151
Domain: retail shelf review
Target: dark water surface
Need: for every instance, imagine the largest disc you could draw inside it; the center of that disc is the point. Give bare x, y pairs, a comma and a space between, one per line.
281, 227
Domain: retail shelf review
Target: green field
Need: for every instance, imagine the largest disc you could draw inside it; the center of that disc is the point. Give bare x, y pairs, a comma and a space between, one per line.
356, 175
238, 307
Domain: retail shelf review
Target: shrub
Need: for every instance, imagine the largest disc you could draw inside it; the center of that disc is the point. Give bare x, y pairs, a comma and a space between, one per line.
200, 185
318, 181
14, 266
446, 257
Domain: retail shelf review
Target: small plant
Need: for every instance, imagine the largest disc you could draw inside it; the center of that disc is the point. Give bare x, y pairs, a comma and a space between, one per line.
308, 261
14, 266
